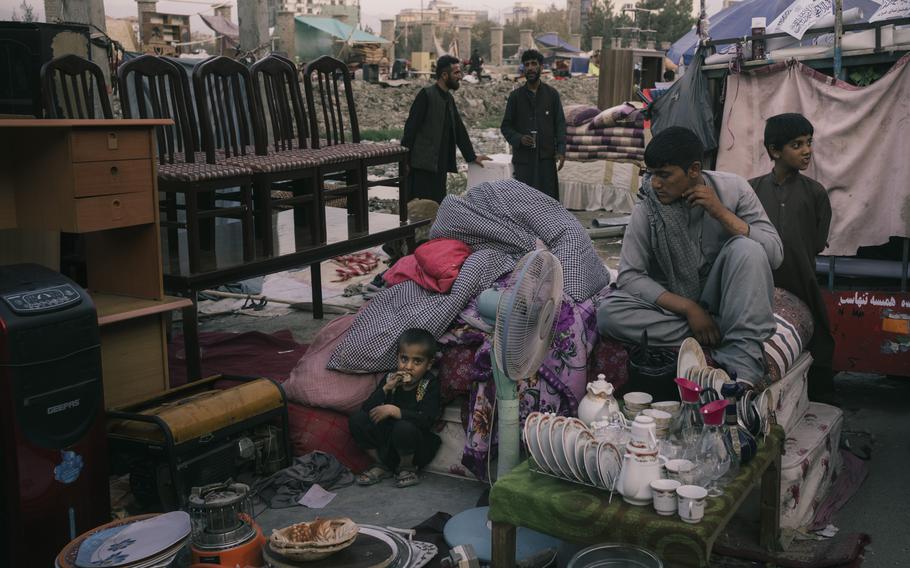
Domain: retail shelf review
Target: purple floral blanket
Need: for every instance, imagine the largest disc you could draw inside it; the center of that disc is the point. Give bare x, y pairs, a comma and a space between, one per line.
558, 385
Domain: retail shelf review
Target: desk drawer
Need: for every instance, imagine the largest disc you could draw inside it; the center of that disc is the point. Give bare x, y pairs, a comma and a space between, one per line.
113, 144
110, 177
113, 211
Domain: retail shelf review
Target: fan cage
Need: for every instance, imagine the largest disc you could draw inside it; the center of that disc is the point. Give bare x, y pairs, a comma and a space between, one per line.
527, 314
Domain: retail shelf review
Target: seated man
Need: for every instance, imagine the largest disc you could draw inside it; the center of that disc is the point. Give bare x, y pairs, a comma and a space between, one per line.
696, 261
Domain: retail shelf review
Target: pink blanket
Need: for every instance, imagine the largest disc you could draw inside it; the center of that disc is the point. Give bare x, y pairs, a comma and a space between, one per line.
859, 151
434, 265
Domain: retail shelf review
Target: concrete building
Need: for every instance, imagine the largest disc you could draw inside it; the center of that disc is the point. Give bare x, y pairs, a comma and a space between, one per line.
348, 11
443, 14
520, 12
618, 6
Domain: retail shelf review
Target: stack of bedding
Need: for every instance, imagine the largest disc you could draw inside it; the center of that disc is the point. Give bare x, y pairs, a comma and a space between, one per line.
616, 133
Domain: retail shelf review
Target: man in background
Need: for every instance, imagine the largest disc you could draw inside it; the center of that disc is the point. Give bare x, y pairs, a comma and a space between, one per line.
433, 130
535, 126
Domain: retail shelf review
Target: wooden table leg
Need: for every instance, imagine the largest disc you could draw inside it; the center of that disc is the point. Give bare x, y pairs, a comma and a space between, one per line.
504, 537
769, 537
191, 339
316, 285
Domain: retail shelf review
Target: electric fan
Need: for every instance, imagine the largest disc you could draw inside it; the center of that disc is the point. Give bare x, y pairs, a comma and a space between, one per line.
525, 323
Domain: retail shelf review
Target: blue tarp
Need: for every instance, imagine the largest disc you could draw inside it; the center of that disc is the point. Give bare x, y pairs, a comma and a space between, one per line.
553, 41
736, 21
339, 30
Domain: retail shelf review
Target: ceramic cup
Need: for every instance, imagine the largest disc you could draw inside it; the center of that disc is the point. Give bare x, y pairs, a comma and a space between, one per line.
661, 418
637, 400
681, 470
691, 503
669, 406
664, 493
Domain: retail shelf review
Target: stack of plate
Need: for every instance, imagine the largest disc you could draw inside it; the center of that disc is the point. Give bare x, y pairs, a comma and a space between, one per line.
634, 403
692, 365
566, 448
152, 541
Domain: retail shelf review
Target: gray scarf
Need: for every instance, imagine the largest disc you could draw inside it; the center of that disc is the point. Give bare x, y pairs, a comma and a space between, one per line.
678, 253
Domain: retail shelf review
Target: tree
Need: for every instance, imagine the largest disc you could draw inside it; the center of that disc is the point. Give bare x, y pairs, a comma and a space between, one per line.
672, 20
599, 23
480, 38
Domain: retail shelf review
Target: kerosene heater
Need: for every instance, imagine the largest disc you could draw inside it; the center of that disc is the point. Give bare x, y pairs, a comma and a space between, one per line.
53, 448
224, 532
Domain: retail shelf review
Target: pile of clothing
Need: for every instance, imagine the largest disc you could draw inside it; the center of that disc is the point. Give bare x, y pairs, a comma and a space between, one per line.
616, 133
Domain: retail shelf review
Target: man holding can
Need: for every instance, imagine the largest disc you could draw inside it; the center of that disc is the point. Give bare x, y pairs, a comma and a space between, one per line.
535, 126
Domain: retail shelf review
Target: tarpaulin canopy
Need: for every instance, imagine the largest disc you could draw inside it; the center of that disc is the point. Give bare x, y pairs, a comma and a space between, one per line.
736, 21
553, 41
340, 30
222, 26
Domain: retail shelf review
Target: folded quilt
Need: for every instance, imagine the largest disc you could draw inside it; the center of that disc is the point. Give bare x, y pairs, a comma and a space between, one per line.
576, 115
580, 156
582, 140
588, 130
620, 115
637, 150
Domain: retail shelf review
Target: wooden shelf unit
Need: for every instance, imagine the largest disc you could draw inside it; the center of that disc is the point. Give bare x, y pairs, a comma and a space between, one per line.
97, 178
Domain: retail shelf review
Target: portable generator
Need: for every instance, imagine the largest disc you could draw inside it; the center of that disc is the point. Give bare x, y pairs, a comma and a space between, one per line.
197, 435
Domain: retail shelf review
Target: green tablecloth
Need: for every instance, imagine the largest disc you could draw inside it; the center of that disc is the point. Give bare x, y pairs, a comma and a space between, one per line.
582, 514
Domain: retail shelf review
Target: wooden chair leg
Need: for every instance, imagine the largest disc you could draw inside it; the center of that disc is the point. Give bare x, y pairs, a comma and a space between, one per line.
247, 222
403, 189
191, 339
504, 539
769, 537
192, 230
320, 205
364, 201
262, 212
173, 239
317, 213
316, 285
205, 201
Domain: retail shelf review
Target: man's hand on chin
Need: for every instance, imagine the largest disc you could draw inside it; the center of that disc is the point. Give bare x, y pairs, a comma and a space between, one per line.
706, 198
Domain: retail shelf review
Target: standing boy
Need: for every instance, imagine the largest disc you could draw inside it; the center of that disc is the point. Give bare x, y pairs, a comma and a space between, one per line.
433, 130
394, 425
535, 126
696, 261
801, 211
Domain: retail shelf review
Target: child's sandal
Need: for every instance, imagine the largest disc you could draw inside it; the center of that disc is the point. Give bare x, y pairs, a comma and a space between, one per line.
373, 475
406, 477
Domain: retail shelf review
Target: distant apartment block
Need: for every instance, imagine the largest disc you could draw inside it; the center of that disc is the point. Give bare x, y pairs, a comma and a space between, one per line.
442, 14
347, 11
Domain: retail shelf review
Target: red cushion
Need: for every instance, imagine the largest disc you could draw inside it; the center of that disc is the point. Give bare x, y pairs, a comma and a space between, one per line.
434, 265
327, 431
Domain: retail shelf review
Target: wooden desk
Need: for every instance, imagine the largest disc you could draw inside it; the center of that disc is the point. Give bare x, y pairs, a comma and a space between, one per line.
97, 178
584, 515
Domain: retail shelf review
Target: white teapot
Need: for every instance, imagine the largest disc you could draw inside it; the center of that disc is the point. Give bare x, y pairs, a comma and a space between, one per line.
599, 404
639, 469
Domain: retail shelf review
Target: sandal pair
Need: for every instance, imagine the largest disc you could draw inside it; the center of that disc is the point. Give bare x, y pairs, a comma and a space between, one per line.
373, 475
407, 476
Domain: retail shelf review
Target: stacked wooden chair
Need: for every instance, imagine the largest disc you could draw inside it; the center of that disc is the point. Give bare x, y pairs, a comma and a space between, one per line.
251, 138
155, 86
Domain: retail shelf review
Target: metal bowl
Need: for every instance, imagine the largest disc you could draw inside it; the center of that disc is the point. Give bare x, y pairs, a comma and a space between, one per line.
615, 556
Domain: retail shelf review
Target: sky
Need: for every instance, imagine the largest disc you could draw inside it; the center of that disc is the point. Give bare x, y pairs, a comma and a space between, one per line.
371, 10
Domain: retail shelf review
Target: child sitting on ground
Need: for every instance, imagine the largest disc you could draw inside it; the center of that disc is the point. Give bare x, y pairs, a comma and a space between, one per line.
800, 210
394, 425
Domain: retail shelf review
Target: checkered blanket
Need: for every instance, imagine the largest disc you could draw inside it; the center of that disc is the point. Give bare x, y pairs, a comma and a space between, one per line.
501, 221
